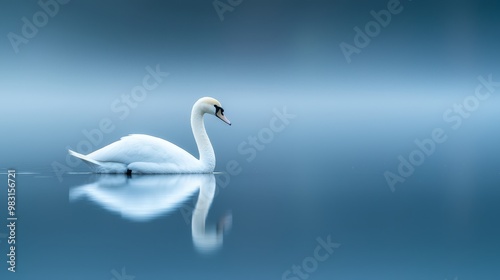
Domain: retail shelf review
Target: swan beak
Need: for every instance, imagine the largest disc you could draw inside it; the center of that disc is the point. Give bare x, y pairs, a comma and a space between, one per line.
224, 119
221, 116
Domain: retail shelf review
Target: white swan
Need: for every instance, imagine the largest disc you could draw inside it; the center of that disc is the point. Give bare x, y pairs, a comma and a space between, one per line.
139, 153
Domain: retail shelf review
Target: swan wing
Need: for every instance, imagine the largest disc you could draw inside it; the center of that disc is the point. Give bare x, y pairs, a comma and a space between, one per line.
143, 148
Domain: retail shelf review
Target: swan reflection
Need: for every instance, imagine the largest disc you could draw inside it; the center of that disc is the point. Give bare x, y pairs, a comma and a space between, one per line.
142, 198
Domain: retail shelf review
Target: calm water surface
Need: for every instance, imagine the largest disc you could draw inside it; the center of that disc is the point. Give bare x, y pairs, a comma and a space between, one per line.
258, 226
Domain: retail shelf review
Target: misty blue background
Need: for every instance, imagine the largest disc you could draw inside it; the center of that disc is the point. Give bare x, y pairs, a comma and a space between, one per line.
322, 175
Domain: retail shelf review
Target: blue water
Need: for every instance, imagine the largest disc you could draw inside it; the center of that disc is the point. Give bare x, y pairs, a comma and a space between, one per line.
441, 223
384, 167
315, 177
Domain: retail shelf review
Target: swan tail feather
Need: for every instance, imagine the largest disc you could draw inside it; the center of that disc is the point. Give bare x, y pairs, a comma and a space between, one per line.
100, 167
83, 157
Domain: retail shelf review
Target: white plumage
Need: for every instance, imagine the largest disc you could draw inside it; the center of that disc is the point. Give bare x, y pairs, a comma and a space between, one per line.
139, 153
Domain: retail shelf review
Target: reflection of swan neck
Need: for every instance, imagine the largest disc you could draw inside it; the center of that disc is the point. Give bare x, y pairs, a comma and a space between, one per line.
201, 209
205, 239
207, 155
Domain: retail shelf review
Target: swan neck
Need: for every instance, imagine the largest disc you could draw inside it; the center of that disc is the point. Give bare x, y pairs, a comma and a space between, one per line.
205, 149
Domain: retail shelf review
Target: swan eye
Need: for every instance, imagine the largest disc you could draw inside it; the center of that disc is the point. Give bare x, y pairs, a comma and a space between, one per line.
217, 109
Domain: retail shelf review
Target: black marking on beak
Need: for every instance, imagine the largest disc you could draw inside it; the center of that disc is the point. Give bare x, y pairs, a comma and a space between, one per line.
219, 112
217, 109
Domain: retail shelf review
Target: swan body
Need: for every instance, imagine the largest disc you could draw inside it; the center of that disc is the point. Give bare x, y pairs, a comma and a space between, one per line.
139, 153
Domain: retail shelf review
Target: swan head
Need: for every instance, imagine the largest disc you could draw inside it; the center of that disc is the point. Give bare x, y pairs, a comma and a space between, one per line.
211, 106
